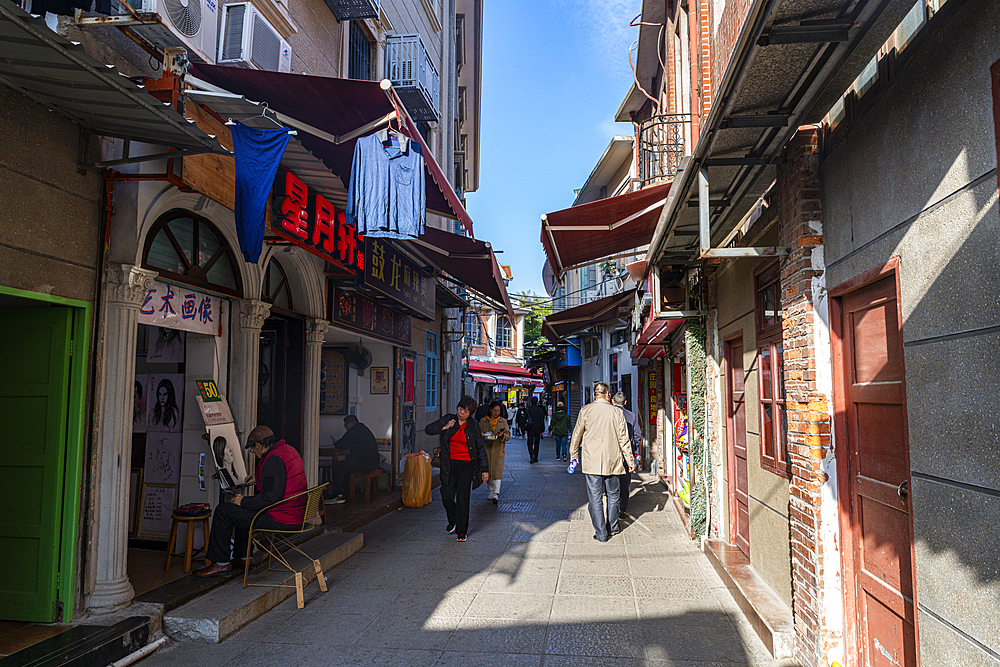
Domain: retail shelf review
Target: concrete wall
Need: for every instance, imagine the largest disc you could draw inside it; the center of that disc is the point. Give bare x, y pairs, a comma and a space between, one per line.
915, 177
768, 492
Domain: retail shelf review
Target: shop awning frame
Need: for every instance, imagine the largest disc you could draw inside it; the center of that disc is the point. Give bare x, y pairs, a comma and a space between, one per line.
571, 321
59, 74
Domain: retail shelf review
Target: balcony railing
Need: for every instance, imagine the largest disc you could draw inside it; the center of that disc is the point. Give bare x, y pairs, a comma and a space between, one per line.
408, 65
661, 147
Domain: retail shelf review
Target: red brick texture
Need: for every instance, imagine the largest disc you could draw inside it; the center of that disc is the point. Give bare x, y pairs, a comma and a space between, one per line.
808, 410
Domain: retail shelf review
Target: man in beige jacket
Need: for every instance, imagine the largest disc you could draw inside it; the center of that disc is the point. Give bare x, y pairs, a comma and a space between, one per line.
606, 453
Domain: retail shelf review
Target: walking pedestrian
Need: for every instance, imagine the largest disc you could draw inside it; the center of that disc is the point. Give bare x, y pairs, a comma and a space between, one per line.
635, 439
463, 463
560, 427
521, 420
535, 426
496, 433
601, 445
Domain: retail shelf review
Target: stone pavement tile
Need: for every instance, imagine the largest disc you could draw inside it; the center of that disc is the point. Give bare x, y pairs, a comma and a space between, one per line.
613, 548
479, 544
522, 582
262, 626
417, 605
370, 603
588, 584
268, 655
513, 565
191, 653
405, 633
652, 587
395, 579
513, 606
597, 639
432, 546
389, 560
463, 658
592, 661
574, 609
448, 581
511, 636
665, 639
536, 549
319, 630
683, 611
666, 550
352, 656
608, 567
471, 563
539, 536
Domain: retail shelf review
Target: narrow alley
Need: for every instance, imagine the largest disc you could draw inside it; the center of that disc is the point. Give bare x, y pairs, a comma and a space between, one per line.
530, 587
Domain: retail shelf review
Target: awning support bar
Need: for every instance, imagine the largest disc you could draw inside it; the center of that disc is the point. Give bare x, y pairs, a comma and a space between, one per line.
145, 158
705, 231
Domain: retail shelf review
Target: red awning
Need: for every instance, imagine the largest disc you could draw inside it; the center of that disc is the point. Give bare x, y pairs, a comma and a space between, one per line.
336, 107
582, 234
574, 320
469, 261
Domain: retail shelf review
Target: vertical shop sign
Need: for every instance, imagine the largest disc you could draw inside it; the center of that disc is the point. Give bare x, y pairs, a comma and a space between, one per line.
613, 366
359, 313
398, 277
308, 220
653, 392
177, 307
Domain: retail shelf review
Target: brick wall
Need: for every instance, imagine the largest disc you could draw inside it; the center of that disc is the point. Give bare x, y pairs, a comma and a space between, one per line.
798, 193
733, 17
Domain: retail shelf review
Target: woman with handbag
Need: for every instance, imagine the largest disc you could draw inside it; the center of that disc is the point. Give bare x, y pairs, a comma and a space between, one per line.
463, 463
496, 433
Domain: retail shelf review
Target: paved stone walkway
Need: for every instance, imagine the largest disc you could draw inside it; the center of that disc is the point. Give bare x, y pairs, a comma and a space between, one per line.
530, 587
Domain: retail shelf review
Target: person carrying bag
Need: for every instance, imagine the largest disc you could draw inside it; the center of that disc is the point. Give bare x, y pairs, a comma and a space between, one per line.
496, 433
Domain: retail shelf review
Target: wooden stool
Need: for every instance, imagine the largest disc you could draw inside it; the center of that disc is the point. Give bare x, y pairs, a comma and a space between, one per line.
188, 548
368, 477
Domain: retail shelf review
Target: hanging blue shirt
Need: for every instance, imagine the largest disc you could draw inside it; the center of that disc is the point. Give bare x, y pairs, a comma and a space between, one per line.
386, 196
258, 153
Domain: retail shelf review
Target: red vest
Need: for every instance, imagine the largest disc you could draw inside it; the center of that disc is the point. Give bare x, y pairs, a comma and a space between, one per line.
295, 482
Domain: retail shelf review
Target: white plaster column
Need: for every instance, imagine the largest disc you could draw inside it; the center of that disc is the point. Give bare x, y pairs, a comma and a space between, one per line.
315, 332
245, 363
125, 287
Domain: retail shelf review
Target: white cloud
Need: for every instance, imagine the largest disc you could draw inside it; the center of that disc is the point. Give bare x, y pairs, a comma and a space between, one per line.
603, 27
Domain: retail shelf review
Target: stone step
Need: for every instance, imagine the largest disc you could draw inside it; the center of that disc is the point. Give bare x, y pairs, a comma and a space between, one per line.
85, 645
770, 618
224, 610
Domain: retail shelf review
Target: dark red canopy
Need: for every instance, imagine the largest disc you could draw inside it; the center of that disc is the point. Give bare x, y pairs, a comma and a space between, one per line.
574, 320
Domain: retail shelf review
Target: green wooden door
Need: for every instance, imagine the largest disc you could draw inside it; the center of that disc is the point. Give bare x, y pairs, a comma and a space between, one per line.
34, 393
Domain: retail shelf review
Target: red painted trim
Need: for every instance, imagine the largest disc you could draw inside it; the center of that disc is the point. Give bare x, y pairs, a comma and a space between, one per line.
995, 81
730, 449
867, 278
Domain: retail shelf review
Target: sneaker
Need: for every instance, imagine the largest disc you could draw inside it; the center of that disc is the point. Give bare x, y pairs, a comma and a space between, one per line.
450, 529
338, 500
463, 538
565, 459
495, 500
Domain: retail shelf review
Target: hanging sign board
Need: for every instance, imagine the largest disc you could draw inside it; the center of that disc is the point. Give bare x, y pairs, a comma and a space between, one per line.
395, 275
353, 311
306, 219
176, 307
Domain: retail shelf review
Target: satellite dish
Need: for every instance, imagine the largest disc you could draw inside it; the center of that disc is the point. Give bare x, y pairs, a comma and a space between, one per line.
359, 357
549, 279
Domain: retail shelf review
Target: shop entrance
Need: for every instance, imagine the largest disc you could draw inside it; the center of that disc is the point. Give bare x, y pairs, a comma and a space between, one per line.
36, 350
873, 458
279, 393
736, 437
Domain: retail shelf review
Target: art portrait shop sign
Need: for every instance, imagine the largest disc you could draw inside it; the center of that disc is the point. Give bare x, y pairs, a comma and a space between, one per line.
177, 307
356, 312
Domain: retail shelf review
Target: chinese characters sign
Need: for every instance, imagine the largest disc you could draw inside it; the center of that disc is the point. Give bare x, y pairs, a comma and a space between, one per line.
176, 307
391, 273
653, 394
309, 221
359, 313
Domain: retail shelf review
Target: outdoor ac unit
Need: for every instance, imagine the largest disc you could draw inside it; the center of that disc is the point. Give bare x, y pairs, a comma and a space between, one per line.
192, 24
248, 40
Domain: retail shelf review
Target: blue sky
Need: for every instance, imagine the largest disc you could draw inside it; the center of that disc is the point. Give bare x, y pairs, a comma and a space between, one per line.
554, 74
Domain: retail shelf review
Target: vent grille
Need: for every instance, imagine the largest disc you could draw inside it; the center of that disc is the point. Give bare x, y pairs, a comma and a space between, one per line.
265, 49
232, 41
185, 15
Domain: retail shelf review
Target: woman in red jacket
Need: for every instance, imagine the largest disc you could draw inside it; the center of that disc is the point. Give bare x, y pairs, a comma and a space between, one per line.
463, 463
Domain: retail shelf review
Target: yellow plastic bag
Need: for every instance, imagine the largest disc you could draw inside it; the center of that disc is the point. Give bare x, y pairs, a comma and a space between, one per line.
417, 480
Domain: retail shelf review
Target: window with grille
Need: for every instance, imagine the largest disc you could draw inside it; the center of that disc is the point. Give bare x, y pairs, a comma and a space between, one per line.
275, 289
504, 333
473, 328
431, 375
768, 302
619, 337
361, 54
773, 427
187, 248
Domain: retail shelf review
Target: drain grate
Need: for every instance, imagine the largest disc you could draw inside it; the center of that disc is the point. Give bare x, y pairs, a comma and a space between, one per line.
517, 507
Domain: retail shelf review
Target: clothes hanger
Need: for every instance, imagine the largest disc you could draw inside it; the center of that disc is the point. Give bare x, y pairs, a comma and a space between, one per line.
263, 114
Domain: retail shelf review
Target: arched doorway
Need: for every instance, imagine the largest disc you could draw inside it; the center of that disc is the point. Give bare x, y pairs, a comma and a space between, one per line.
282, 345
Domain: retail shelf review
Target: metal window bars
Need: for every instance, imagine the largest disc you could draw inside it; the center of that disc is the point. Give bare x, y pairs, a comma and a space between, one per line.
661, 147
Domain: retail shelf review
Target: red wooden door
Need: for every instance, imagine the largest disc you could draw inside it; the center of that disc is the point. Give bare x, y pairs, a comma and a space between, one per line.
736, 430
873, 433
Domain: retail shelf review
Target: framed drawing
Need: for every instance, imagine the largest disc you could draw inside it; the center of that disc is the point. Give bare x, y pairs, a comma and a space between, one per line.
163, 458
333, 382
134, 486
158, 503
380, 380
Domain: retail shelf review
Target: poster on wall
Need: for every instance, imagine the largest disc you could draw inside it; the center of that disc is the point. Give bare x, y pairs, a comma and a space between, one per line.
333, 382
180, 308
166, 346
380, 380
158, 504
163, 458
227, 455
165, 396
409, 380
653, 393
139, 405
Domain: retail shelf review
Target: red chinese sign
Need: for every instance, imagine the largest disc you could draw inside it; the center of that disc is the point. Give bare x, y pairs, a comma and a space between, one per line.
653, 393
309, 221
351, 310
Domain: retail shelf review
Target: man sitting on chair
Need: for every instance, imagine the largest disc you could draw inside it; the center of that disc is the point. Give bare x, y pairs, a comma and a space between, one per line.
363, 456
280, 474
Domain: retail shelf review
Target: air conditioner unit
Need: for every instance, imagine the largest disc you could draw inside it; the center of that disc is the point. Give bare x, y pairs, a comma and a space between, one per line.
192, 24
248, 40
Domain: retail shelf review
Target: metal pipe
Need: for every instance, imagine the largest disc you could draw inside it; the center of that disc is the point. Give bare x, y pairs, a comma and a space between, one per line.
141, 653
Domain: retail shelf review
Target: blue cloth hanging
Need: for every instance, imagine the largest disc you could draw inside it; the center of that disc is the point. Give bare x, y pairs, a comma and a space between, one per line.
258, 153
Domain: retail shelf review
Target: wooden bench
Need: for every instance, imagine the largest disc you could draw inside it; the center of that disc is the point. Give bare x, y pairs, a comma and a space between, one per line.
368, 478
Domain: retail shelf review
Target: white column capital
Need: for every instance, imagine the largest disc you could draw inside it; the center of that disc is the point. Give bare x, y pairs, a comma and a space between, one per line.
316, 330
128, 284
253, 313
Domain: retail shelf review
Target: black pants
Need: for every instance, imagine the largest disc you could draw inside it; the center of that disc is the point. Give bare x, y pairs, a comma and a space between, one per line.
342, 471
534, 438
455, 494
624, 482
232, 522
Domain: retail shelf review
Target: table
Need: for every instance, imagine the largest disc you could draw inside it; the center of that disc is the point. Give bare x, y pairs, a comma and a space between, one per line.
328, 455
